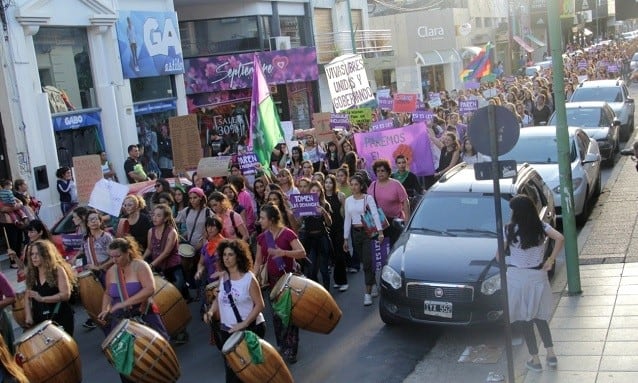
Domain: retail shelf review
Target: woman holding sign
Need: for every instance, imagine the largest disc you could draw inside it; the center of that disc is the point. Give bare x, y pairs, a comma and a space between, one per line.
316, 239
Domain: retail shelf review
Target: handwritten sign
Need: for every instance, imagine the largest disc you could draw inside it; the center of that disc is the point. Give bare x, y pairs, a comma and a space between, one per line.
339, 121
404, 103
305, 204
108, 196
187, 148
360, 116
213, 166
321, 126
348, 82
88, 170
247, 162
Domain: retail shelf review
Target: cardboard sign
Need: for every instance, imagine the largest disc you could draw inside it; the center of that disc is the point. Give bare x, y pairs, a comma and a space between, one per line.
321, 127
360, 116
108, 196
88, 171
404, 103
304, 204
247, 163
213, 166
348, 82
187, 148
340, 121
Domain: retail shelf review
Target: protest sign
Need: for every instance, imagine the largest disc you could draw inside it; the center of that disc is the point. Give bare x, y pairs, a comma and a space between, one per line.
382, 125
88, 170
213, 166
247, 163
412, 141
321, 126
187, 148
420, 115
339, 121
289, 136
348, 82
435, 100
386, 103
108, 196
360, 116
471, 84
380, 251
404, 103
304, 204
467, 106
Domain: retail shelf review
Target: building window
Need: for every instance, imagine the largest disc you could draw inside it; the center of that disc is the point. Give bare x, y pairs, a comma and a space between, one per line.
479, 22
292, 26
487, 22
152, 88
220, 36
64, 65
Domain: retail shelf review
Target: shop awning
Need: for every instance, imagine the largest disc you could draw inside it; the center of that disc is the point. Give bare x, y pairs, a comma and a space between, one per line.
523, 44
437, 56
535, 40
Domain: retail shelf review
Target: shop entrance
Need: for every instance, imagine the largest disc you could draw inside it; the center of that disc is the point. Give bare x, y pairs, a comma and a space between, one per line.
77, 142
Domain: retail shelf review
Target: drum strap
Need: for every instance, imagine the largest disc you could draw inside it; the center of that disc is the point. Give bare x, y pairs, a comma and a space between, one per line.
227, 287
190, 237
92, 250
121, 288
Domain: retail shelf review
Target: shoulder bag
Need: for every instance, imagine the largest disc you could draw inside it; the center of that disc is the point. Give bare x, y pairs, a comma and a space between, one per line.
368, 220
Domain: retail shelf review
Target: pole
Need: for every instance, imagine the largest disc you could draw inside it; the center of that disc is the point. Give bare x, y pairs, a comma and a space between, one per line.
562, 140
352, 41
496, 177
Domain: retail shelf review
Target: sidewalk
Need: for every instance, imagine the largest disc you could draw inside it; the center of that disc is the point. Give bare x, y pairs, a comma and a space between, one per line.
596, 334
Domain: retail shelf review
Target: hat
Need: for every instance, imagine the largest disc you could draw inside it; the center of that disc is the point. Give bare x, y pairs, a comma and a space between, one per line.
198, 191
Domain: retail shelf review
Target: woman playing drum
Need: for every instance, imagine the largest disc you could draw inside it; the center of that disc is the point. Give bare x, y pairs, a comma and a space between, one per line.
278, 247
193, 219
49, 281
207, 270
130, 285
7, 297
240, 302
9, 369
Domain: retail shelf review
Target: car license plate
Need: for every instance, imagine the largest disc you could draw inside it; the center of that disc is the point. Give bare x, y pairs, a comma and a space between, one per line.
439, 309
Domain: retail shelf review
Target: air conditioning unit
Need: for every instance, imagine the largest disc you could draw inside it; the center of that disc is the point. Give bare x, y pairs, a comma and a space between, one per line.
279, 43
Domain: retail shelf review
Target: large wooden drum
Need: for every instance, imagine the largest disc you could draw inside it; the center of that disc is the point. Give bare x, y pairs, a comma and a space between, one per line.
48, 354
172, 306
189, 260
18, 308
273, 369
155, 360
91, 294
313, 308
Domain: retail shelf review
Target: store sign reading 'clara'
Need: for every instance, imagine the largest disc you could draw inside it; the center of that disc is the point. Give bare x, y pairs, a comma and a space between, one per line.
432, 33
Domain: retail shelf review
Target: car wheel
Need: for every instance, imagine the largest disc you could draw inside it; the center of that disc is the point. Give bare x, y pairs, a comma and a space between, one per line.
609, 162
386, 317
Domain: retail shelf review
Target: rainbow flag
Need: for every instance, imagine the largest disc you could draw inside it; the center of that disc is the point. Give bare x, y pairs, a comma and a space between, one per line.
480, 66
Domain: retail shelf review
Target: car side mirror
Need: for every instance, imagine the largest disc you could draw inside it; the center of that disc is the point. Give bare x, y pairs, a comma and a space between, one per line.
591, 157
630, 100
627, 152
616, 123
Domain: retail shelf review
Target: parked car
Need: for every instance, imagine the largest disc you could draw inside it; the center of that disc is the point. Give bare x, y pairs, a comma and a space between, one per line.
616, 94
599, 121
64, 231
537, 146
442, 270
633, 64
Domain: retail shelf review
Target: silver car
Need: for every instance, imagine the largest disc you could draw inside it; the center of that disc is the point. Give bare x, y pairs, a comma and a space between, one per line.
537, 146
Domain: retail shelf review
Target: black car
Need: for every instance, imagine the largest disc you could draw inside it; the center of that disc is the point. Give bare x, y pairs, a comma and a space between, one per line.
442, 270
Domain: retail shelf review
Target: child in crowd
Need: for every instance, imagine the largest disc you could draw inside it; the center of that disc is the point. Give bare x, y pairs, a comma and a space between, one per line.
18, 217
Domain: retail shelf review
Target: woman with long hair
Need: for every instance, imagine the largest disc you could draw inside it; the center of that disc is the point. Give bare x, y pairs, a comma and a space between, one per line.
343, 180
277, 248
181, 200
11, 371
161, 186
296, 158
233, 223
286, 182
528, 288
259, 193
316, 239
306, 170
469, 155
137, 222
49, 283
355, 208
231, 193
337, 199
278, 199
332, 161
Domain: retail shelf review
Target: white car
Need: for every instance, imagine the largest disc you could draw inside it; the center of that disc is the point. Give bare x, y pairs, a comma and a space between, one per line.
538, 147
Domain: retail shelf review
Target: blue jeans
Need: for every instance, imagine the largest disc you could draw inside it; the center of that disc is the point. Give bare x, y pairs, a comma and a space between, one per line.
318, 249
175, 275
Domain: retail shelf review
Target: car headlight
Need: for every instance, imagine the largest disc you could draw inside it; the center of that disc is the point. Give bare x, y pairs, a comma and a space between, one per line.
575, 185
491, 285
389, 275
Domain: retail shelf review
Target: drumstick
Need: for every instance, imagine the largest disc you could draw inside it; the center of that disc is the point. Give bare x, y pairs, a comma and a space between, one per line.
17, 259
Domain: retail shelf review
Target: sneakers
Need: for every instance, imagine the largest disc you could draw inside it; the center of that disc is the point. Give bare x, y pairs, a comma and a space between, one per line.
375, 291
352, 270
336, 285
89, 324
534, 366
343, 288
551, 361
367, 299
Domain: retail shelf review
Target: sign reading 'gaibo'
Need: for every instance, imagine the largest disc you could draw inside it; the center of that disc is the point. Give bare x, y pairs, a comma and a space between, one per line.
348, 82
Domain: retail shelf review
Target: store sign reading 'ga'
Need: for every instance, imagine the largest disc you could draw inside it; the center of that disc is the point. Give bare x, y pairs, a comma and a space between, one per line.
433, 33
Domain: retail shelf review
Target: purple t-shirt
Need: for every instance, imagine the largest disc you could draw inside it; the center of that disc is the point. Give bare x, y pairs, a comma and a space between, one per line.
277, 266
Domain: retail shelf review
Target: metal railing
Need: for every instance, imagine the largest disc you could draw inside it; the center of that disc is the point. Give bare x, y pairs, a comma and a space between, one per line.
370, 43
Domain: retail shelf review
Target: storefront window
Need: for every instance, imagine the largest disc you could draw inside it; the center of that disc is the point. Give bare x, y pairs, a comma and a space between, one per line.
213, 37
152, 88
292, 26
62, 54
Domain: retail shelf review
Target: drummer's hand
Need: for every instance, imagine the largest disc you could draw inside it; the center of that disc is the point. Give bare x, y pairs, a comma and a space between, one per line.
103, 315
237, 327
93, 267
35, 295
117, 306
12, 254
208, 317
197, 275
216, 275
28, 322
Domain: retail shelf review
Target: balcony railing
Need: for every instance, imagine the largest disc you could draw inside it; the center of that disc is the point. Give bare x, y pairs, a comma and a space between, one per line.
370, 43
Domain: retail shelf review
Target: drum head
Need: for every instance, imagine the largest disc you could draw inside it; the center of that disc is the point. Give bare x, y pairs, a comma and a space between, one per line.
212, 285
85, 273
116, 330
33, 331
232, 342
186, 250
279, 286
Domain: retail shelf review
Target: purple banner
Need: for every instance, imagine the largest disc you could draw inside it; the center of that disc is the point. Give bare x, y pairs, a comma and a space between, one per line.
339, 121
412, 141
304, 204
382, 125
582, 64
386, 103
72, 244
380, 251
217, 73
613, 68
471, 85
467, 106
247, 162
420, 115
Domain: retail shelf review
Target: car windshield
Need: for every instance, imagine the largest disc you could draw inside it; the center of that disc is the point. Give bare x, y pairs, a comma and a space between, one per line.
609, 94
635, 58
580, 117
537, 150
458, 214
